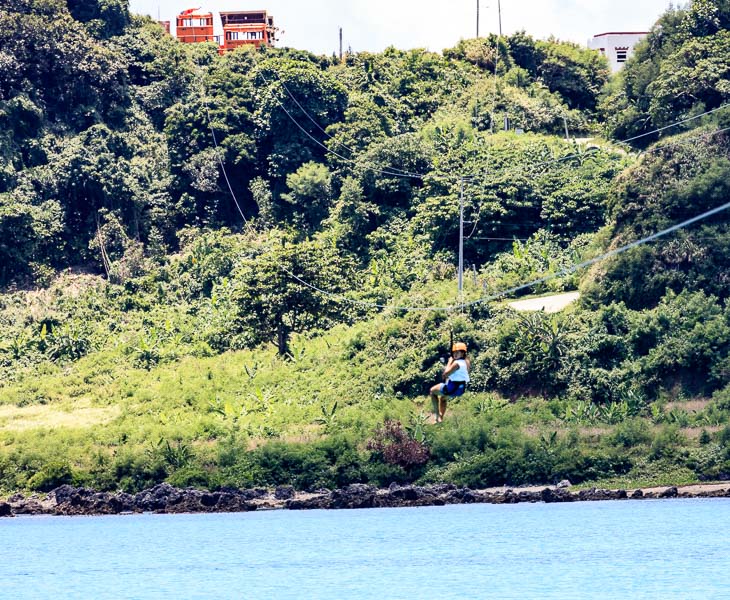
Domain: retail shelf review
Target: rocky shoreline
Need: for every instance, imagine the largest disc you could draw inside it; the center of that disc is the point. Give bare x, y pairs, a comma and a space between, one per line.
71, 501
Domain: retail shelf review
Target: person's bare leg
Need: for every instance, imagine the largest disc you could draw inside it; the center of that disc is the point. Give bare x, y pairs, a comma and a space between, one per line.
435, 401
442, 408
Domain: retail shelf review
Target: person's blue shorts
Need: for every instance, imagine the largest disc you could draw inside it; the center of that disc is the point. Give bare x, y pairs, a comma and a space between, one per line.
453, 389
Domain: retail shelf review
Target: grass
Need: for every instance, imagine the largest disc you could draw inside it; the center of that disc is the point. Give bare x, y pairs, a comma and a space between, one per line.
14, 419
108, 419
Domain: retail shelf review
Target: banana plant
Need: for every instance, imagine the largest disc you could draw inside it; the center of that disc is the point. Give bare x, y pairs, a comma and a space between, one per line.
252, 371
329, 415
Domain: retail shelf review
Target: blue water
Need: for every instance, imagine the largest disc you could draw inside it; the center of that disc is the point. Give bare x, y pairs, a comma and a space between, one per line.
646, 549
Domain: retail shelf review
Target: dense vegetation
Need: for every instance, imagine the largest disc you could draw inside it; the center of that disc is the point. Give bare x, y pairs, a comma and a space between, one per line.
206, 259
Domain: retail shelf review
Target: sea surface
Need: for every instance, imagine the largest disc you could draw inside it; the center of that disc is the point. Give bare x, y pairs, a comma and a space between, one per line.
635, 549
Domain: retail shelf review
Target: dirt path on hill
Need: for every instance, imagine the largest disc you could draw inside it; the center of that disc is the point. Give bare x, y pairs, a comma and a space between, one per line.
550, 304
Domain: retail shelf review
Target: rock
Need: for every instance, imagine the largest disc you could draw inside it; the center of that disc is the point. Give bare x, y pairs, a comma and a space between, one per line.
28, 507
255, 494
159, 498
671, 492
284, 492
440, 489
408, 493
5, 510
564, 484
460, 496
321, 502
597, 495
506, 497
356, 495
233, 502
524, 496
64, 493
637, 494
549, 496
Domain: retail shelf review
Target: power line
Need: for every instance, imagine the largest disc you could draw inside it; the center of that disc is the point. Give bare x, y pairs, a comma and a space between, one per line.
218, 153
530, 284
419, 176
393, 171
405, 174
687, 120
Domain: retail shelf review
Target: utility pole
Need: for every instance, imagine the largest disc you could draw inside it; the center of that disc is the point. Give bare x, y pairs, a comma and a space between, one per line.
499, 8
477, 19
340, 44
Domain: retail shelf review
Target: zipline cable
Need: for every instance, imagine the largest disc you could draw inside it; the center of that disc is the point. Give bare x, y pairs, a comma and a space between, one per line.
524, 286
459, 306
220, 158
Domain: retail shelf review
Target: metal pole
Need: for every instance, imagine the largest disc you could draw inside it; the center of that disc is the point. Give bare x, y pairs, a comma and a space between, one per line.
477, 19
340, 44
461, 241
499, 7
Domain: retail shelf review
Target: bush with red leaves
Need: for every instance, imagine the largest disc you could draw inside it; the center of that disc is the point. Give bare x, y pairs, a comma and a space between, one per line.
397, 447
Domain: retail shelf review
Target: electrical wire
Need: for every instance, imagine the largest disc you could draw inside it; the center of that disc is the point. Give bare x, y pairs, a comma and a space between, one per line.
393, 171
220, 158
510, 291
405, 174
461, 306
682, 122
524, 286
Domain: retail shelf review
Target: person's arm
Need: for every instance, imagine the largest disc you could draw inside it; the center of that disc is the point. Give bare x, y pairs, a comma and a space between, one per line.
450, 367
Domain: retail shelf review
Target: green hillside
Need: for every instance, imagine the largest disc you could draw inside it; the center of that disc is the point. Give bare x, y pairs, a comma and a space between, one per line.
240, 270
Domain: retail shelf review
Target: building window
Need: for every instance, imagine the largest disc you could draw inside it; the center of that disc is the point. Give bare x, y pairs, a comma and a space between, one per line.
195, 22
622, 54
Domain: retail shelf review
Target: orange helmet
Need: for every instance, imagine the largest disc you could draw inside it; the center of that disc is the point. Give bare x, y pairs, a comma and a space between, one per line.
459, 347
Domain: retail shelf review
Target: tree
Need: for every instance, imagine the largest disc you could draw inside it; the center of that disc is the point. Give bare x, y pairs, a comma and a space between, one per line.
678, 70
287, 94
268, 299
577, 74
666, 188
104, 18
310, 195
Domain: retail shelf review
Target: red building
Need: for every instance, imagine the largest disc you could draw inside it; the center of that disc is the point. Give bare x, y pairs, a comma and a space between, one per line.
193, 27
242, 28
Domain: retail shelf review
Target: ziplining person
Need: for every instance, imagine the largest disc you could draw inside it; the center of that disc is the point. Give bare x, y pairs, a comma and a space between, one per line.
456, 378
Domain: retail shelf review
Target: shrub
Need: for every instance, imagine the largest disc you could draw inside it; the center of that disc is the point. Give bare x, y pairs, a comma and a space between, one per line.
331, 463
136, 471
193, 476
667, 444
396, 447
631, 433
51, 476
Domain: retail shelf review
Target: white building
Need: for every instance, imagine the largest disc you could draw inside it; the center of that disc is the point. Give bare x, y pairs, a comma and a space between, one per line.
617, 46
